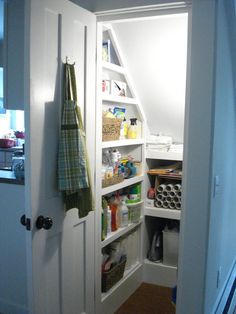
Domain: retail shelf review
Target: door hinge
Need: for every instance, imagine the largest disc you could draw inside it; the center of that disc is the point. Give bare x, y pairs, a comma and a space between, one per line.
26, 222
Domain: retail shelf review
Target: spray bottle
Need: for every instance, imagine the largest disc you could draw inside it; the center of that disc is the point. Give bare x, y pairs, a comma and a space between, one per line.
132, 132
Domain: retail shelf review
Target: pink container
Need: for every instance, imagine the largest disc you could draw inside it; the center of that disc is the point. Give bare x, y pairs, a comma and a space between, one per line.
6, 143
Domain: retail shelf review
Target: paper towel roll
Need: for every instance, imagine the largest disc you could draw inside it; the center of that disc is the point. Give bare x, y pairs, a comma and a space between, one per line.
178, 206
172, 205
165, 204
177, 187
161, 188
159, 196
169, 187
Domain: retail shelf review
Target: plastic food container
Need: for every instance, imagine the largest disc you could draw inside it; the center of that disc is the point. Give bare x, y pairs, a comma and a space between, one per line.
170, 247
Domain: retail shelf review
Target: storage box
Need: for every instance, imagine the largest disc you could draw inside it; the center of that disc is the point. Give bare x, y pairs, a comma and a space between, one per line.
170, 247
111, 277
111, 181
111, 129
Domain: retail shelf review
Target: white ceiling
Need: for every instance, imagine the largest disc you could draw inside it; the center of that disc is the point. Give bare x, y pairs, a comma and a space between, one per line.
155, 52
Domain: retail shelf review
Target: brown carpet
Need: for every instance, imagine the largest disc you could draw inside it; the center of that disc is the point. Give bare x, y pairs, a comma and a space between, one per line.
148, 299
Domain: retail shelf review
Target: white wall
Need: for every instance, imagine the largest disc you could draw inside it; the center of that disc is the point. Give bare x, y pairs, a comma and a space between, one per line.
155, 52
13, 293
197, 161
222, 248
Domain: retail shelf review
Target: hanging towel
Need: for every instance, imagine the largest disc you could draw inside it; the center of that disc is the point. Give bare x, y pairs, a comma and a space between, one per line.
73, 165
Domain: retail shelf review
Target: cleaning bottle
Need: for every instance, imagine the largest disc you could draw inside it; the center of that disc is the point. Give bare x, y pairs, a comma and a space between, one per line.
108, 220
104, 218
132, 131
113, 207
123, 129
118, 212
124, 214
104, 226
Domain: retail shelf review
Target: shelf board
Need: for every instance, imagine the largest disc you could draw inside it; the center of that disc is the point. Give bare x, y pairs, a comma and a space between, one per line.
154, 154
134, 204
159, 274
122, 184
127, 274
162, 212
119, 99
113, 67
120, 232
159, 265
120, 143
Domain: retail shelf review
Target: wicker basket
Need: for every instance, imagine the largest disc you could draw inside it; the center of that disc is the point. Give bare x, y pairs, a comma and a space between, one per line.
112, 180
111, 277
111, 129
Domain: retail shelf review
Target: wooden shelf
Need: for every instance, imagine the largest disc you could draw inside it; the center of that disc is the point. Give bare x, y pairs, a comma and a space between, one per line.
120, 232
113, 67
122, 184
162, 212
119, 99
154, 154
127, 274
120, 143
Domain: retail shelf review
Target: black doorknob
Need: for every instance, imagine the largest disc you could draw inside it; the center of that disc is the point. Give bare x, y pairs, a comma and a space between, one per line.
44, 222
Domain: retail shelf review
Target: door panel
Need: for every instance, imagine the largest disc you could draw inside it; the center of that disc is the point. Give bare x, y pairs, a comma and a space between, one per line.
61, 262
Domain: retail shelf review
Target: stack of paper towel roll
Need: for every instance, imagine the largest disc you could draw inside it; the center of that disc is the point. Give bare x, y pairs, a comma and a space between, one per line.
168, 196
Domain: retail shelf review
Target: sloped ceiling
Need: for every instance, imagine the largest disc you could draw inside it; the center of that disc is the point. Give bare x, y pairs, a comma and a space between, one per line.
155, 53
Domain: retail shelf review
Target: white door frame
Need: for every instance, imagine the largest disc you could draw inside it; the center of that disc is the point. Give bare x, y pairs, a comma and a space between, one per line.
198, 141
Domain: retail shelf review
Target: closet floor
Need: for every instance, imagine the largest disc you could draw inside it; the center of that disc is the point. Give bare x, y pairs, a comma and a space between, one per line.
148, 299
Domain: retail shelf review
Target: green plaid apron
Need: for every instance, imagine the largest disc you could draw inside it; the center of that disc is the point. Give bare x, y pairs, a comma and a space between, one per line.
73, 166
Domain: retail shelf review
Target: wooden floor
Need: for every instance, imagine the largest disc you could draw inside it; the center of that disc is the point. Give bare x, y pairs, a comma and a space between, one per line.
148, 299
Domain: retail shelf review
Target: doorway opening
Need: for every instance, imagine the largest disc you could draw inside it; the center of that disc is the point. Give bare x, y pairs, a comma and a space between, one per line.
146, 57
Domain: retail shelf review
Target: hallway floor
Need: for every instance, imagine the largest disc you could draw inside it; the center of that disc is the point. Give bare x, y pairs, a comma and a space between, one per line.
148, 299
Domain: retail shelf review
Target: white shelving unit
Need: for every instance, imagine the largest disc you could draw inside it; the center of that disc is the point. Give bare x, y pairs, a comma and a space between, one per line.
143, 269
113, 67
122, 143
119, 99
154, 272
124, 184
159, 273
162, 213
119, 233
154, 154
112, 299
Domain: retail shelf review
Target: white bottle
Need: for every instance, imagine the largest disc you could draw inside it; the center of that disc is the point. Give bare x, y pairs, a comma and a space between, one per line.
124, 215
108, 220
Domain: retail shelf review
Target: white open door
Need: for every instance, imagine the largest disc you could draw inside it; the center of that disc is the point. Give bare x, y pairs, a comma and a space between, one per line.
61, 259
